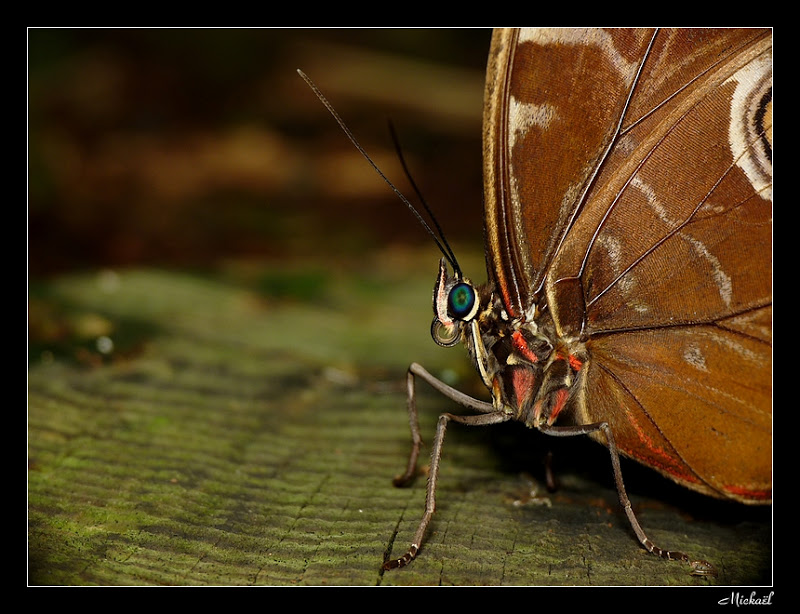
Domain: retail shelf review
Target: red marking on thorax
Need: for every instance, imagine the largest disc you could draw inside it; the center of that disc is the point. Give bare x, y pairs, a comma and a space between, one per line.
562, 394
523, 380
575, 363
522, 347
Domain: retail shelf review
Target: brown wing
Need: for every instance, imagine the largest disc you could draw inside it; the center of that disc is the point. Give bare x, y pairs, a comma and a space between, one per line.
546, 128
658, 251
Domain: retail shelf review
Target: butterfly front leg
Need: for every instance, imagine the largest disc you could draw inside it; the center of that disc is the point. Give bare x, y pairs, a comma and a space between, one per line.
488, 415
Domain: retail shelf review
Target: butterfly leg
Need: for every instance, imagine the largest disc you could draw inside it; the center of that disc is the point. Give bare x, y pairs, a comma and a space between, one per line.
417, 370
488, 415
699, 567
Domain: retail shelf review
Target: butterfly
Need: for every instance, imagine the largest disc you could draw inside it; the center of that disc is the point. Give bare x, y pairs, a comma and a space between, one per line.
628, 226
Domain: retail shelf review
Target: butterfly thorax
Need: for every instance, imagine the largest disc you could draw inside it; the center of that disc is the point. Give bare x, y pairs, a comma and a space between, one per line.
531, 373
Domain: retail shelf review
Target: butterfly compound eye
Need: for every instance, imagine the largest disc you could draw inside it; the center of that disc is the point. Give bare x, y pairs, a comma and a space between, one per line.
461, 302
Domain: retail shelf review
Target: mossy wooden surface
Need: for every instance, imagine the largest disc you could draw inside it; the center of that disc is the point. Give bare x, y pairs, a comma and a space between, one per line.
245, 429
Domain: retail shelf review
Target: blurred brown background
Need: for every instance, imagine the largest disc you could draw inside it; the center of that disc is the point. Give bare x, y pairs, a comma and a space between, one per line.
191, 147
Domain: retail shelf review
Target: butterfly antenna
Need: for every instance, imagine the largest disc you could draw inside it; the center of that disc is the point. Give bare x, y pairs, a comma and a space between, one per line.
448, 254
451, 257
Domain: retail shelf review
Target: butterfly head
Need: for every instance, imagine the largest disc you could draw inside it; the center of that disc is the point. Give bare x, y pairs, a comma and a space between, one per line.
456, 303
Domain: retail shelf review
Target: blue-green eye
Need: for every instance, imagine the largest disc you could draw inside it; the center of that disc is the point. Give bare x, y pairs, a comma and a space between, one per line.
461, 301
